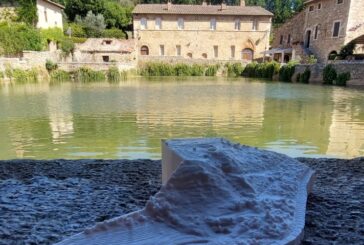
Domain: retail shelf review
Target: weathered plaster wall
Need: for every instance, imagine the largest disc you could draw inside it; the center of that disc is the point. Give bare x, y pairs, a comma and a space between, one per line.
54, 15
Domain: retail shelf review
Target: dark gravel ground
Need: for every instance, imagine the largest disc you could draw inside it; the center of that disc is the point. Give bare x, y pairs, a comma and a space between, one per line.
42, 202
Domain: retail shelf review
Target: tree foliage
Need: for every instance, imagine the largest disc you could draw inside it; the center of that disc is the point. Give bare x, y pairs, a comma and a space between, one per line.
27, 11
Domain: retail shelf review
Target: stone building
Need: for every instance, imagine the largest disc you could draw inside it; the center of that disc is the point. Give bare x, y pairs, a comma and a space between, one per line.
104, 50
321, 29
201, 32
49, 13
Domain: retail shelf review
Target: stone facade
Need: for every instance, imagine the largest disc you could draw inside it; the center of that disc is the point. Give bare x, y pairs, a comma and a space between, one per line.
313, 31
188, 35
104, 50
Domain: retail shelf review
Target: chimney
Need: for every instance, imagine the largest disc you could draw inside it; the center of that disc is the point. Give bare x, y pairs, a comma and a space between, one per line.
204, 3
169, 5
242, 3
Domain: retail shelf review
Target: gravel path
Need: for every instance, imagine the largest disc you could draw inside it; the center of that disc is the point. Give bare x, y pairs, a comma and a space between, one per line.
42, 202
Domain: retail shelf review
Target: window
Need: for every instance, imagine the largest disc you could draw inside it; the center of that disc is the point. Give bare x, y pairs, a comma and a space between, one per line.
213, 24
316, 32
237, 25
311, 8
45, 16
216, 51
178, 50
143, 23
106, 58
106, 42
255, 25
158, 23
232, 49
281, 40
319, 6
161, 50
189, 55
289, 39
181, 24
340, 1
144, 50
336, 29
204, 55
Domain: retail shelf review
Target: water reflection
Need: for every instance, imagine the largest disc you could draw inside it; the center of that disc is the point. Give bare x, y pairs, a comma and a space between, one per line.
347, 127
128, 120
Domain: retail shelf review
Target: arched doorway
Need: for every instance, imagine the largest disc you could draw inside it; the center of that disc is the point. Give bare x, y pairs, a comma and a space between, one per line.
144, 50
332, 55
286, 58
308, 39
247, 54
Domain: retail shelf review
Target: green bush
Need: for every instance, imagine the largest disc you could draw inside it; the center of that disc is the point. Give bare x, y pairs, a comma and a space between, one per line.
234, 70
197, 70
211, 70
25, 76
342, 78
17, 37
77, 30
78, 39
52, 34
286, 72
182, 70
51, 66
8, 72
305, 76
88, 75
113, 74
329, 74
113, 33
60, 76
67, 46
165, 69
2, 75
249, 70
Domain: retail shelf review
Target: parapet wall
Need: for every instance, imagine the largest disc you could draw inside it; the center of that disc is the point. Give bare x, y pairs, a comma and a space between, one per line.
356, 70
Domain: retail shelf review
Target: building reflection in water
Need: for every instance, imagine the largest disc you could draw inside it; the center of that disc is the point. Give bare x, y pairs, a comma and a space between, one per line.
59, 106
347, 129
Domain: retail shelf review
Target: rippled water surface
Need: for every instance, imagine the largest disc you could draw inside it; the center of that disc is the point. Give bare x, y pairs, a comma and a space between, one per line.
128, 120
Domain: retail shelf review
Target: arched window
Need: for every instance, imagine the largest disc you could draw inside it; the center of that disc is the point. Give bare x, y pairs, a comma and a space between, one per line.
144, 50
332, 55
247, 54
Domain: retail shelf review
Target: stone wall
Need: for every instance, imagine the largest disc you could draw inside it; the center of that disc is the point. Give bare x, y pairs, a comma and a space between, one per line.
356, 70
30, 59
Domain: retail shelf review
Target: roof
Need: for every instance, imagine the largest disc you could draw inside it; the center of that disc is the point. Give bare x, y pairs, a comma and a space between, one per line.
107, 45
200, 10
55, 4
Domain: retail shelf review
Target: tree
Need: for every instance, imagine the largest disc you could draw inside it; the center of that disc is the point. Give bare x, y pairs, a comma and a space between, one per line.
93, 24
82, 7
27, 12
116, 15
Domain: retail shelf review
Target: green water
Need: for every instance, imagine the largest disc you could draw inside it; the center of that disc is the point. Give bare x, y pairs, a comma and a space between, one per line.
128, 120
